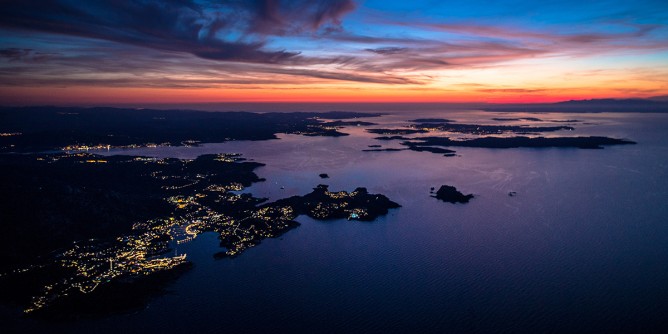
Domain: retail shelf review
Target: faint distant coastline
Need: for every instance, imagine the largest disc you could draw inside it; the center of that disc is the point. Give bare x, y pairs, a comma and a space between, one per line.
652, 105
39, 129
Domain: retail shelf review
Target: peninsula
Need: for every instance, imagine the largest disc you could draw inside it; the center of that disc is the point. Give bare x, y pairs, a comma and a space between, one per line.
81, 227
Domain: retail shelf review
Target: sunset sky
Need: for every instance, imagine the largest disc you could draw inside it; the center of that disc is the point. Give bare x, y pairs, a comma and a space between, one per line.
195, 51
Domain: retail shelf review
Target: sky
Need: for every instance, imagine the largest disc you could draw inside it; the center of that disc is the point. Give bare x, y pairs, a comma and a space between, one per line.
69, 52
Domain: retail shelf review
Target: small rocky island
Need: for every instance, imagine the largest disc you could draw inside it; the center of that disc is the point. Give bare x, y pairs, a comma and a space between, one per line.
450, 194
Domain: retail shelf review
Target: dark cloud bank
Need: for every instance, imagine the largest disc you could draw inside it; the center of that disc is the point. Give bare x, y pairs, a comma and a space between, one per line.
199, 28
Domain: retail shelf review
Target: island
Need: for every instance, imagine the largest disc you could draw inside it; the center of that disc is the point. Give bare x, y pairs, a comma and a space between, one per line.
446, 152
474, 129
483, 136
386, 138
396, 131
347, 123
356, 205
513, 119
450, 194
273, 219
479, 129
387, 149
534, 119
591, 142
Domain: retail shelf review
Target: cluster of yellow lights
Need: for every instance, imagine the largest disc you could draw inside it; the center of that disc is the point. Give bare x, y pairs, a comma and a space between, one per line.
10, 134
142, 253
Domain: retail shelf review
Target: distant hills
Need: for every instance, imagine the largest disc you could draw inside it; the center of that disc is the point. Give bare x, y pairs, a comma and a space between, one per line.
654, 104
659, 98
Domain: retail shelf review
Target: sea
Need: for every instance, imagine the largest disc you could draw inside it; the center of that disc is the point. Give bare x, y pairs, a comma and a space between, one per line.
580, 247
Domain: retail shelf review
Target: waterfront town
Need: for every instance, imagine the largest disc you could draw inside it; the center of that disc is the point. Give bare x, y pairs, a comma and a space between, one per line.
203, 194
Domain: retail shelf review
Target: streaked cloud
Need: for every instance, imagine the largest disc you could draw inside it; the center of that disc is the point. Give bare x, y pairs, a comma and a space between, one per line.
337, 44
218, 30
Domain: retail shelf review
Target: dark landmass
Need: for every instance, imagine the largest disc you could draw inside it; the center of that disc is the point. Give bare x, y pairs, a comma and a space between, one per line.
587, 106
347, 123
48, 201
431, 144
392, 138
452, 195
534, 119
437, 150
566, 120
321, 204
390, 149
515, 142
431, 120
324, 176
130, 212
324, 205
658, 98
32, 129
324, 132
396, 131
116, 297
530, 119
126, 209
342, 114
487, 129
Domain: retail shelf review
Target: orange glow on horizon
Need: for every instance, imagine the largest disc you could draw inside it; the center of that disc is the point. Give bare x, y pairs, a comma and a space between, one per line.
81, 96
60, 57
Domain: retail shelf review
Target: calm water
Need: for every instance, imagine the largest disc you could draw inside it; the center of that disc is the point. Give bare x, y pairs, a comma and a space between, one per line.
582, 247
